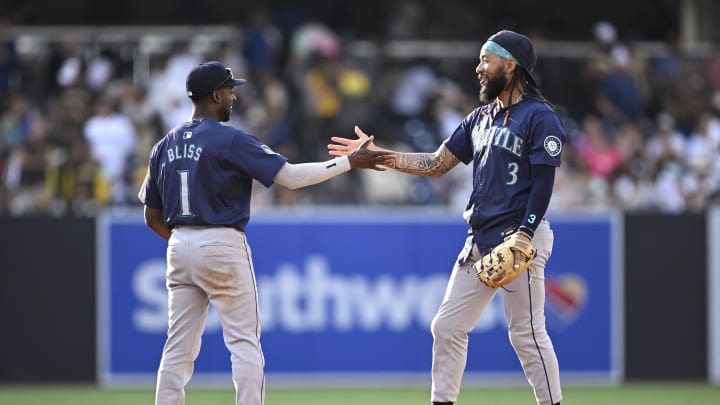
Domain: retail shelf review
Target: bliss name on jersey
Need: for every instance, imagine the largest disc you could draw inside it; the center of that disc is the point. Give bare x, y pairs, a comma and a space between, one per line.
187, 151
498, 136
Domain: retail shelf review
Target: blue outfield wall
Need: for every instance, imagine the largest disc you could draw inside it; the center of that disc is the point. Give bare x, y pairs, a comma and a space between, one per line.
350, 296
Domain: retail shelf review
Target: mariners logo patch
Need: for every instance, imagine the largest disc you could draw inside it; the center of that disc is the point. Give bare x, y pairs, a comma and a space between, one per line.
553, 145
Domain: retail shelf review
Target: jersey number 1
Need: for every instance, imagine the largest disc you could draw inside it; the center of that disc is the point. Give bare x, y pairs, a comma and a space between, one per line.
184, 193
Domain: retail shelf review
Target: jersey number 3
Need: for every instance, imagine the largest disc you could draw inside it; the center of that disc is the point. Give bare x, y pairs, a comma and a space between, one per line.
184, 193
512, 169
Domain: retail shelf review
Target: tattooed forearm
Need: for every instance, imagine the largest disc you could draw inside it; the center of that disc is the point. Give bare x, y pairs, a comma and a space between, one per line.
426, 164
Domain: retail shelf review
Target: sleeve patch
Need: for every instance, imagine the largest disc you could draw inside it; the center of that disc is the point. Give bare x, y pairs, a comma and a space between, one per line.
553, 145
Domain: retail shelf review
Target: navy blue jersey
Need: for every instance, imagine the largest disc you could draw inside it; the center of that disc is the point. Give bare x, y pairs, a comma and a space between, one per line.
502, 158
201, 173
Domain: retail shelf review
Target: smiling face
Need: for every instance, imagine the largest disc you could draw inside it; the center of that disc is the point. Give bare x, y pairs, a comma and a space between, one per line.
492, 75
225, 104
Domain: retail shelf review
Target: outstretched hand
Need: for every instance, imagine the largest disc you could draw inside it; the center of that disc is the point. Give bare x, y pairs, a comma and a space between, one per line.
362, 153
346, 146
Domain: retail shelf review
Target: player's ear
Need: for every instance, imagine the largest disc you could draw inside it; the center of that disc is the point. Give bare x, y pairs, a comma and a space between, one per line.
510, 65
215, 97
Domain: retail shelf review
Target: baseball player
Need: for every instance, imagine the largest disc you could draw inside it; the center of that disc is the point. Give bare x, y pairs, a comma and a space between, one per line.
514, 142
197, 197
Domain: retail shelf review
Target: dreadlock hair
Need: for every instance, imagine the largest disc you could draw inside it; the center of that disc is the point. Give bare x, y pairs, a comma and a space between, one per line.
520, 75
531, 90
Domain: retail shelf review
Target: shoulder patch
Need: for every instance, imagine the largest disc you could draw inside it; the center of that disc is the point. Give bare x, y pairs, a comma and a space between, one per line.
553, 145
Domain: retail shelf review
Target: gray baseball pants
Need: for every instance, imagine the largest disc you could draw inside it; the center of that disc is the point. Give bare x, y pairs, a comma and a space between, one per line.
466, 297
211, 265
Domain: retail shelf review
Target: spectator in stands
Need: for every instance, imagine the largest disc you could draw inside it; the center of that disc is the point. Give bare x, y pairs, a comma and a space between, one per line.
619, 99
597, 150
594, 68
315, 88
101, 70
711, 70
76, 184
111, 137
66, 65
164, 97
14, 126
27, 166
684, 93
632, 184
262, 44
9, 63
666, 143
668, 189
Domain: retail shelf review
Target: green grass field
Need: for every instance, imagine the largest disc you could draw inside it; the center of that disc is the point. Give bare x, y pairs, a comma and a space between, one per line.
631, 394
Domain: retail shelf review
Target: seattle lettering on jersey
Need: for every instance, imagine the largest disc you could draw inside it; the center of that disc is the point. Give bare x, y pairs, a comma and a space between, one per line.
498, 136
188, 151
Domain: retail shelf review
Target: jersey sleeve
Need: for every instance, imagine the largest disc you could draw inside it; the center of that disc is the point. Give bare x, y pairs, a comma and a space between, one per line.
255, 158
149, 193
547, 138
460, 142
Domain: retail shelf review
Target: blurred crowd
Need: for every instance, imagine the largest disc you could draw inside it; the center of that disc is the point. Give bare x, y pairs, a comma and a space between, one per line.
77, 122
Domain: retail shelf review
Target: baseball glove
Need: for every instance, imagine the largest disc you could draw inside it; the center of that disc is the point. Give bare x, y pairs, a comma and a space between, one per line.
506, 261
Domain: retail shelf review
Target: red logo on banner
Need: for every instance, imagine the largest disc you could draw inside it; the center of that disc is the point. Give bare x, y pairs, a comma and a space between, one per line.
565, 298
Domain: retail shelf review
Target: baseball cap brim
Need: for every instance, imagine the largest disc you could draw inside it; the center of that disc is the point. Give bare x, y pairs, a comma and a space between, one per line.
234, 82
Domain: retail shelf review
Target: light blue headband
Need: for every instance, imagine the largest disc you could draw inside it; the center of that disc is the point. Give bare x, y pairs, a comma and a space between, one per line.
497, 49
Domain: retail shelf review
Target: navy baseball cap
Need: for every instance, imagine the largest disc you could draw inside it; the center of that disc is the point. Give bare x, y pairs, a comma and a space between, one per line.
208, 77
511, 45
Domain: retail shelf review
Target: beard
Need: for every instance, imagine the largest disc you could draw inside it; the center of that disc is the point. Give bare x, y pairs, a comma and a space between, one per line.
225, 115
493, 87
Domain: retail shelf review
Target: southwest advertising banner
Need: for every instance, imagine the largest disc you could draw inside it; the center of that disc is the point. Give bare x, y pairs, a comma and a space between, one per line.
350, 296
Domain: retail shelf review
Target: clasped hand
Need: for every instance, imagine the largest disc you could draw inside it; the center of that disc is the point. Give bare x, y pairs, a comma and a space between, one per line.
362, 149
